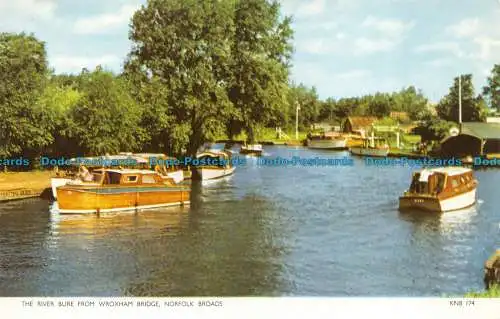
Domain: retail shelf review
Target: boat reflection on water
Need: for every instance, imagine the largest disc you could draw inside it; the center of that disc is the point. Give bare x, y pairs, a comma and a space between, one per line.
165, 220
442, 223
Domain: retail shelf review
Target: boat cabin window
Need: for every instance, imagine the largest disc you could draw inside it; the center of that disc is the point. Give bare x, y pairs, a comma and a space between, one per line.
454, 183
148, 179
112, 178
131, 178
96, 177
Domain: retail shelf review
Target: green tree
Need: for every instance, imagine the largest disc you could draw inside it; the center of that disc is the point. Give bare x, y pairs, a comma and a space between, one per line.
105, 118
410, 100
261, 53
308, 100
472, 107
380, 105
59, 100
492, 90
24, 123
185, 45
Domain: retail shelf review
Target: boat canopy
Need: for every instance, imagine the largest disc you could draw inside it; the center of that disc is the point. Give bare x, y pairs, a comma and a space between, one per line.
214, 153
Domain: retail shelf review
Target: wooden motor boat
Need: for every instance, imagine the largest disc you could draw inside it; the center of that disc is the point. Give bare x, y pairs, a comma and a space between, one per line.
251, 149
440, 190
119, 190
328, 141
82, 167
213, 164
376, 147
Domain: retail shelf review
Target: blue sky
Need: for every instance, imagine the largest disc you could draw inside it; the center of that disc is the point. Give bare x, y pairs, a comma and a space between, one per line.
342, 47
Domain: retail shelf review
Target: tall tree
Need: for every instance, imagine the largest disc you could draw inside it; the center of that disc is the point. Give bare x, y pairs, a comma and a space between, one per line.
261, 53
472, 108
185, 46
492, 90
24, 125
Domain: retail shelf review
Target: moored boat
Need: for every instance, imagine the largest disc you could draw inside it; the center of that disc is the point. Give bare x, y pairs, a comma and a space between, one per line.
213, 164
251, 149
440, 190
119, 190
80, 168
329, 141
376, 147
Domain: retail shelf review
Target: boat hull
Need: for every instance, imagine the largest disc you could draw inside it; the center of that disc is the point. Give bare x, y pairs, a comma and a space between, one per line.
77, 200
376, 152
251, 150
213, 173
434, 204
57, 182
339, 144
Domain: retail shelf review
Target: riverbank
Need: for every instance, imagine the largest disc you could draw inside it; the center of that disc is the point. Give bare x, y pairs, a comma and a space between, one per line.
19, 185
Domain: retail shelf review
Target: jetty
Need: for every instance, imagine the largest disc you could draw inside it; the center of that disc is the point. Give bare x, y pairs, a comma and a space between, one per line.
21, 185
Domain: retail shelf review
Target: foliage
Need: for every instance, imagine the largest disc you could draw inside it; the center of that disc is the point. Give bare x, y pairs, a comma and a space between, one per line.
472, 106
386, 121
492, 90
24, 124
433, 128
185, 45
260, 58
106, 118
411, 101
308, 101
59, 101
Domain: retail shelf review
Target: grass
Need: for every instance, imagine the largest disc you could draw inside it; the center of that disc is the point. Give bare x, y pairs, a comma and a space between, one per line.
493, 292
268, 135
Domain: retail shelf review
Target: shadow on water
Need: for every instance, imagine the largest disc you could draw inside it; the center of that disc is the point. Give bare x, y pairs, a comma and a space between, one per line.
23, 245
232, 252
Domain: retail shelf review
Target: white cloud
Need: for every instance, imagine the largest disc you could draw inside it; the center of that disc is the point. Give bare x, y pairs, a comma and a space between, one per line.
464, 28
105, 23
438, 63
311, 8
353, 74
72, 64
368, 46
388, 27
489, 48
317, 46
27, 8
24, 15
448, 47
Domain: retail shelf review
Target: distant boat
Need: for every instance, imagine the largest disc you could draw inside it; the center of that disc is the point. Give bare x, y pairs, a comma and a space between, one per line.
251, 149
113, 190
329, 141
440, 190
376, 147
213, 164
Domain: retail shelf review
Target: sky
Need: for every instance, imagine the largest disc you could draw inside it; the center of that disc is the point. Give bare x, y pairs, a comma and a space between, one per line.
342, 47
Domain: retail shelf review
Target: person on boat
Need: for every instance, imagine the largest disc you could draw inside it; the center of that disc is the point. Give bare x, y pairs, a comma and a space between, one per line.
84, 174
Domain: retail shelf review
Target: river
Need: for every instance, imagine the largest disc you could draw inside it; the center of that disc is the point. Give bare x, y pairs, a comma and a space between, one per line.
265, 231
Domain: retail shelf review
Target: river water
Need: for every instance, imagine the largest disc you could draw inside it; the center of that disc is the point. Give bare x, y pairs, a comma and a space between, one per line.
265, 231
